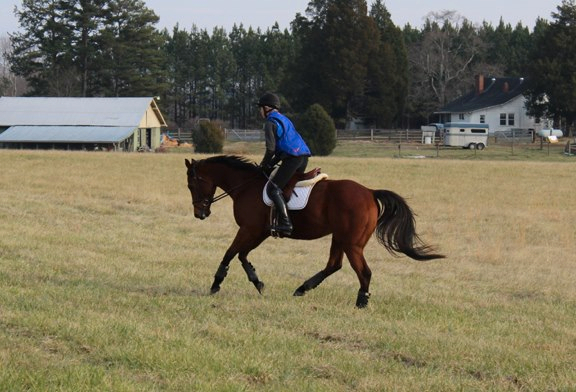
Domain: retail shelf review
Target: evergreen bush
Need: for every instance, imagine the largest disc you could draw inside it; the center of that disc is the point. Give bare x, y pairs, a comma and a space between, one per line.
208, 137
318, 130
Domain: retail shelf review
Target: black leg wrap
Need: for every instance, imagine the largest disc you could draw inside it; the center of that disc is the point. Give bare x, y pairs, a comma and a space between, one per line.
219, 277
310, 284
252, 277
362, 299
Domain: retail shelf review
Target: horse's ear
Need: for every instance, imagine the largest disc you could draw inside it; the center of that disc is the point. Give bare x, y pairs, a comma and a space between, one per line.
188, 163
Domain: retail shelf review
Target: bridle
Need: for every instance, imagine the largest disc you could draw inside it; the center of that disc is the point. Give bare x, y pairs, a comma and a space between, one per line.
207, 202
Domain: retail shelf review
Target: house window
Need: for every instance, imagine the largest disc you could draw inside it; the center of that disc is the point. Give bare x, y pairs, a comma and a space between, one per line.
502, 118
510, 118
460, 116
482, 119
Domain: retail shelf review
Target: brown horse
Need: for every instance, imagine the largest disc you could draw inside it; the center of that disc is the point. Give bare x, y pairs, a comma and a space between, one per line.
347, 210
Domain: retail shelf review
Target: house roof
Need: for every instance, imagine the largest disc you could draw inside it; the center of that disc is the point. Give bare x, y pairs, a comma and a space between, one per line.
493, 92
52, 111
65, 134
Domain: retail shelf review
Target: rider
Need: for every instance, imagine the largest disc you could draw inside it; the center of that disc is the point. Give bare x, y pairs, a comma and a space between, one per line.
283, 144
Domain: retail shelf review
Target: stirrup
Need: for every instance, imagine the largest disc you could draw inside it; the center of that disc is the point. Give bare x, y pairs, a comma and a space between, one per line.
274, 226
284, 232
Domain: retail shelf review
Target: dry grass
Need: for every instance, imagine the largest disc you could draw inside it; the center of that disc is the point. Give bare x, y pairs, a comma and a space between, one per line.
104, 274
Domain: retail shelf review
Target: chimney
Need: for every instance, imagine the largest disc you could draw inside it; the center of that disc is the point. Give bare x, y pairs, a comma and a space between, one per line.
479, 84
506, 87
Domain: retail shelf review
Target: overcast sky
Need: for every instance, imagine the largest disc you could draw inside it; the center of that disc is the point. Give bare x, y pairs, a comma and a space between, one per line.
207, 14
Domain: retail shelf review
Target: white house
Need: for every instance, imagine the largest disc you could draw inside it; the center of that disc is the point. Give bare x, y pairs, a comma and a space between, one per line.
498, 102
126, 124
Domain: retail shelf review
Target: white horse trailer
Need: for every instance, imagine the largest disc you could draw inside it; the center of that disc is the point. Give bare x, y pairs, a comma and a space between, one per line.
467, 135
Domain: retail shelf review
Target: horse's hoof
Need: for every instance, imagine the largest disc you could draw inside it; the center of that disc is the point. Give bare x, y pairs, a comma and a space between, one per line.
299, 292
259, 286
214, 290
362, 299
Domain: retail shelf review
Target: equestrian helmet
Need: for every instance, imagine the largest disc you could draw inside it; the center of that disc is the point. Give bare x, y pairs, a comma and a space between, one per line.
269, 99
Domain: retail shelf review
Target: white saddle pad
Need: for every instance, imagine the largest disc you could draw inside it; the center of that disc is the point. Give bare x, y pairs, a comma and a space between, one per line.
300, 194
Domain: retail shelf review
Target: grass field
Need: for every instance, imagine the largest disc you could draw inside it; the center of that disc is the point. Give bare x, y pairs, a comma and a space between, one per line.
104, 279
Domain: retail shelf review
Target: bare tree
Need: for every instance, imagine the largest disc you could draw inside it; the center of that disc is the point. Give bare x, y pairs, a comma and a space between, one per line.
10, 84
442, 60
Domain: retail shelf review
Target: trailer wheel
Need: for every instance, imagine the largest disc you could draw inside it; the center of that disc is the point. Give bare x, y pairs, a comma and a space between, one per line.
480, 146
472, 146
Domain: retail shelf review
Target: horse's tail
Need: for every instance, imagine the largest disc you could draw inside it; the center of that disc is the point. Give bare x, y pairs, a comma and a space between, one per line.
396, 228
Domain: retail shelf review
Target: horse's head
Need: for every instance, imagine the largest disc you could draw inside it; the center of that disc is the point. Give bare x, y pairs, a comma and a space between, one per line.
202, 189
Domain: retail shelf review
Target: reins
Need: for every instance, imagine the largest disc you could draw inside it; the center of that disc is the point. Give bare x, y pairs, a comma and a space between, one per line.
223, 194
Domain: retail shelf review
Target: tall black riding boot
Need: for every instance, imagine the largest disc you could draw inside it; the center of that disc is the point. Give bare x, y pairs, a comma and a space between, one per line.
283, 226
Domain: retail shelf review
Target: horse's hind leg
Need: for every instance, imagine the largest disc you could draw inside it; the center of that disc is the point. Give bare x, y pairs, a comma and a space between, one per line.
334, 264
355, 255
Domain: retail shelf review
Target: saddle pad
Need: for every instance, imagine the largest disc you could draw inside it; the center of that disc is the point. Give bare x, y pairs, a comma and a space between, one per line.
299, 197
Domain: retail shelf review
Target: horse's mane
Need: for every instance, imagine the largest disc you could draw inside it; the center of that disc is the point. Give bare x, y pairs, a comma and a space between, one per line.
234, 161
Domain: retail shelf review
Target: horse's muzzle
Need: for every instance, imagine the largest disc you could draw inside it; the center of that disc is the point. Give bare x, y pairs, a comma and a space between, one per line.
202, 214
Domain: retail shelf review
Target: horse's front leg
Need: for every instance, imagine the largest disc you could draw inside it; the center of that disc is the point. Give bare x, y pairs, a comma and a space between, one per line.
221, 272
251, 273
243, 243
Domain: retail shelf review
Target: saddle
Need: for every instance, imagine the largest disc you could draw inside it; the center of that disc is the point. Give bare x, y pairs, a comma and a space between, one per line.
298, 189
303, 179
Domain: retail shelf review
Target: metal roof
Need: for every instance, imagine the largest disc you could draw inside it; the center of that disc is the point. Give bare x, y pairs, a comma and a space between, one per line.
498, 92
117, 112
66, 134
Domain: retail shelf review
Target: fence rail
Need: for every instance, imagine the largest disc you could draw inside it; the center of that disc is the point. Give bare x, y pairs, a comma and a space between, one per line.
382, 135
394, 136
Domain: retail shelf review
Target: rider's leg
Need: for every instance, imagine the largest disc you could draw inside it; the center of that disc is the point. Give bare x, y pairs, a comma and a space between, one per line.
284, 225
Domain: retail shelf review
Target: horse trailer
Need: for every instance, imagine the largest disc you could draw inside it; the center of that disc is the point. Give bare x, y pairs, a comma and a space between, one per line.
467, 135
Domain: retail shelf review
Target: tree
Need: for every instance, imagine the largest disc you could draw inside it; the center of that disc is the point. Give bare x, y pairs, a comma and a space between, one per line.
41, 52
318, 130
387, 79
179, 57
88, 48
552, 67
248, 52
506, 49
10, 84
444, 56
130, 56
337, 41
208, 137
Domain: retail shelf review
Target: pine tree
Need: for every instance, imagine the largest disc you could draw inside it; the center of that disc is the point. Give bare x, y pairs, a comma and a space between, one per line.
41, 52
553, 66
338, 40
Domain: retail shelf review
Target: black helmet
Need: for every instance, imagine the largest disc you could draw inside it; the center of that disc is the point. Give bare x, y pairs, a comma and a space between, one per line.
269, 99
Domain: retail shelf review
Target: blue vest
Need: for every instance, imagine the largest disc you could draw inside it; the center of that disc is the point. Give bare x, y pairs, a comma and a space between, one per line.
288, 140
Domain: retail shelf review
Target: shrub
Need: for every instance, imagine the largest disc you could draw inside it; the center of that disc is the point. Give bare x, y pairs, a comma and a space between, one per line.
318, 130
208, 137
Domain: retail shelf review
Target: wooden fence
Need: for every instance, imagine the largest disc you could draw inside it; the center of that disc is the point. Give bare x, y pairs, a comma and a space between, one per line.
392, 136
374, 135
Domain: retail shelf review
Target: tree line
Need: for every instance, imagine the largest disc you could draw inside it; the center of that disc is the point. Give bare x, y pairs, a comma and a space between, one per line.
341, 54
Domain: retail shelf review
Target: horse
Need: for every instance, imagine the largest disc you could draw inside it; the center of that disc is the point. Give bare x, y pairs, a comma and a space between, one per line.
347, 210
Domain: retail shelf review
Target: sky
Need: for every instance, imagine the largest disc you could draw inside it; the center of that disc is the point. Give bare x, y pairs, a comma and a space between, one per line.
207, 14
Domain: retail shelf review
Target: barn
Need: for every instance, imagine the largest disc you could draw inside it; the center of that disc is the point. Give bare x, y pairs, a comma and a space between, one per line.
119, 124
